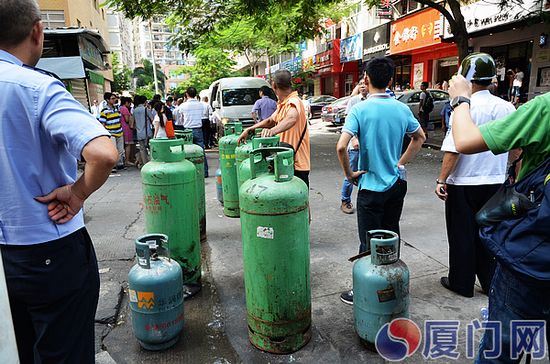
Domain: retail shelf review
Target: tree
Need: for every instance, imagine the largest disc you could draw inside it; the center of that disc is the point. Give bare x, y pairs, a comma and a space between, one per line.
144, 76
121, 75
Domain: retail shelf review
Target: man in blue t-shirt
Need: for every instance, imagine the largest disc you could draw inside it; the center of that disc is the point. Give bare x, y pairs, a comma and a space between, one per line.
380, 123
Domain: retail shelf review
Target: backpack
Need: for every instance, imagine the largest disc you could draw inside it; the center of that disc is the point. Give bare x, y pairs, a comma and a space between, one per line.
428, 103
521, 240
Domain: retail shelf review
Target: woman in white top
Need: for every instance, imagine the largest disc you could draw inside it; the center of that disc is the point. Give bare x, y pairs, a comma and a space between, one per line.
159, 121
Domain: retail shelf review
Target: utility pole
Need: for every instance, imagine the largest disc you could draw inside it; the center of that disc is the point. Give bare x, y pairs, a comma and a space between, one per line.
153, 57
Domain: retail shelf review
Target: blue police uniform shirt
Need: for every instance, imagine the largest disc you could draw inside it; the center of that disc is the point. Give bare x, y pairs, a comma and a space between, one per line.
380, 123
43, 130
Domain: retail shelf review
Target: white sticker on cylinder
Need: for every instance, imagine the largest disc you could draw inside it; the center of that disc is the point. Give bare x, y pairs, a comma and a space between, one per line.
264, 232
133, 295
283, 176
142, 261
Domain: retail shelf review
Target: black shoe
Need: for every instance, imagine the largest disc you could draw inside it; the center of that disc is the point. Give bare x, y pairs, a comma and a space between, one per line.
447, 284
347, 297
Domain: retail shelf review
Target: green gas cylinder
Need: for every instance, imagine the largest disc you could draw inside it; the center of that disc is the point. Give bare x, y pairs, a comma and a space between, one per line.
275, 234
227, 146
155, 290
195, 155
242, 153
243, 170
170, 200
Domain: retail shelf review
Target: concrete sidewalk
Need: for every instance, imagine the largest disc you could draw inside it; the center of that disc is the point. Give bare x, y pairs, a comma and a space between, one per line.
215, 327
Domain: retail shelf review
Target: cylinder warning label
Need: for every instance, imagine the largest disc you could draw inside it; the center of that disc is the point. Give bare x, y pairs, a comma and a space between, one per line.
264, 232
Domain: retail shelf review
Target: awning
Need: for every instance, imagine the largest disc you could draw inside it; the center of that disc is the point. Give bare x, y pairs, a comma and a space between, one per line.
65, 67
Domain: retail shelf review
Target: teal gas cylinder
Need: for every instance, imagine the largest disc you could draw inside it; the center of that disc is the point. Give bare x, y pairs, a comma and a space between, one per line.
380, 286
243, 170
156, 294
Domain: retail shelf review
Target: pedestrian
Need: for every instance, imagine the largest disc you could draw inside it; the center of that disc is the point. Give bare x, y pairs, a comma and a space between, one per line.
353, 151
516, 86
49, 261
143, 131
127, 122
425, 107
445, 116
159, 121
110, 118
191, 112
94, 109
169, 108
379, 123
511, 77
265, 106
467, 182
206, 116
520, 289
288, 121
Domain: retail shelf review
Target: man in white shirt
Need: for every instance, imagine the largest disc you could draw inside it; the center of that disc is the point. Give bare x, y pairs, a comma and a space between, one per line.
190, 116
516, 86
466, 182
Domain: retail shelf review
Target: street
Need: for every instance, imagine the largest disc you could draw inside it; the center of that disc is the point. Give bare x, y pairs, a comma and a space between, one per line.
215, 329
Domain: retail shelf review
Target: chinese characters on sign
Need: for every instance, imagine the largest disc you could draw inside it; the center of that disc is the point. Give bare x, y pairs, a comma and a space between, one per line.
441, 340
416, 31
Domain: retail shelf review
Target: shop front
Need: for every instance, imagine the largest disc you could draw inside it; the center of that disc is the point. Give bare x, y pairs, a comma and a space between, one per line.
419, 54
77, 57
328, 70
514, 38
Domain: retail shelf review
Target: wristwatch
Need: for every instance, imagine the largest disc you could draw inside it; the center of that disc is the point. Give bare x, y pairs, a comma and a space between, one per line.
459, 100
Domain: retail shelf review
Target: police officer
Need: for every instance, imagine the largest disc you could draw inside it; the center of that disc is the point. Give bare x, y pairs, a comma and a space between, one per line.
50, 264
466, 182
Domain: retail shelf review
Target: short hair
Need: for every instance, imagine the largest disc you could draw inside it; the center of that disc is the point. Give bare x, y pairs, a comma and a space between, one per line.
191, 92
482, 82
265, 90
380, 71
169, 99
425, 84
283, 79
107, 95
17, 18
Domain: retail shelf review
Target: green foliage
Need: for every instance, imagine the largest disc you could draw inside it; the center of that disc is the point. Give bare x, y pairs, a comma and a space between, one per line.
145, 91
145, 78
121, 75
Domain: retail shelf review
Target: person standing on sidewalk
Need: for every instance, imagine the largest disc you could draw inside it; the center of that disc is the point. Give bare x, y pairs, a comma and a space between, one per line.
520, 289
110, 118
191, 112
380, 123
353, 151
50, 264
264, 107
425, 107
467, 182
289, 120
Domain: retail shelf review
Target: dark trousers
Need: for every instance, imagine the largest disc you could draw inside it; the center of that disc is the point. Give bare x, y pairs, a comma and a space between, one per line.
303, 175
467, 256
206, 132
198, 140
53, 291
379, 210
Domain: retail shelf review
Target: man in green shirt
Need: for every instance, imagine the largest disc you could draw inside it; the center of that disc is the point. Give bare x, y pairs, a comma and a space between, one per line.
513, 296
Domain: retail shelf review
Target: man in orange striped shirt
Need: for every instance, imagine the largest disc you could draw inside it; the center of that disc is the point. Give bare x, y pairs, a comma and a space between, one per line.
289, 121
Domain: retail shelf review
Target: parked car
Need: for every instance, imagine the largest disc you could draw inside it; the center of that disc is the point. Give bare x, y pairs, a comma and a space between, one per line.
335, 112
316, 103
412, 100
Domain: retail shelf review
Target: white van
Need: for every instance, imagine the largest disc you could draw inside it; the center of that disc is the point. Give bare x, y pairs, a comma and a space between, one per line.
232, 98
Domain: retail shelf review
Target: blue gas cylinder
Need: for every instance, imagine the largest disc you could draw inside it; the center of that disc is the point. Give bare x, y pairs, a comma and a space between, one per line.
380, 286
156, 294
219, 186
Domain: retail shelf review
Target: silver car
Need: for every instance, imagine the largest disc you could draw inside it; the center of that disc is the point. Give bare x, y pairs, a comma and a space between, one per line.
412, 100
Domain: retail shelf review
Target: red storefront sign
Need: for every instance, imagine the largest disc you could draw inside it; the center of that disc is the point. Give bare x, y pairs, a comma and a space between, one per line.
329, 61
419, 30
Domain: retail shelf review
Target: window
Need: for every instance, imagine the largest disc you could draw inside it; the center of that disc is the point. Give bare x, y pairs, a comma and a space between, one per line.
439, 95
114, 39
78, 23
240, 96
53, 18
414, 98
